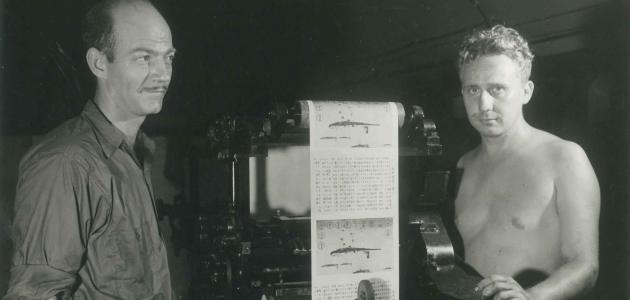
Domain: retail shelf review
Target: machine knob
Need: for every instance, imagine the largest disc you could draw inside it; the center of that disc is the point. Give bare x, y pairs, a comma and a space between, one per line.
365, 290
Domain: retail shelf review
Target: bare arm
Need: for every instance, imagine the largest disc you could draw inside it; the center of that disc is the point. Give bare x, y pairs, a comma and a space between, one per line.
578, 205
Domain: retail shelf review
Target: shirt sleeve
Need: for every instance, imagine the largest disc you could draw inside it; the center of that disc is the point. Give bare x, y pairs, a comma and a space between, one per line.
50, 228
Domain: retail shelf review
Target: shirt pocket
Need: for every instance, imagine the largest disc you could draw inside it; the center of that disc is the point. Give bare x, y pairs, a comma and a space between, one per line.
133, 254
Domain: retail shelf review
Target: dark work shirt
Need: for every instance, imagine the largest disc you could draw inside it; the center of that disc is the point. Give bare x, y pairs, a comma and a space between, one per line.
85, 220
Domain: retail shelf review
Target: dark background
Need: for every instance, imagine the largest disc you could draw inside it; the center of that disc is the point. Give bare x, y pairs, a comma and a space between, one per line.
239, 57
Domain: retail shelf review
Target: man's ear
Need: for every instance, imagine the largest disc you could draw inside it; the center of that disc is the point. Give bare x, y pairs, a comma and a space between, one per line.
528, 91
96, 61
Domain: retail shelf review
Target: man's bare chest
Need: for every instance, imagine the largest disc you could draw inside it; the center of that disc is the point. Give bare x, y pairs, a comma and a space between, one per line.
512, 196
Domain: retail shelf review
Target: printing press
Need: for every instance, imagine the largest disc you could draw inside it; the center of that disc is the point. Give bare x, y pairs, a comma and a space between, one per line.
252, 239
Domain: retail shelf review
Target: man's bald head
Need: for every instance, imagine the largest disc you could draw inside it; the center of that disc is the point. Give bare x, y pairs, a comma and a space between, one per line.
99, 23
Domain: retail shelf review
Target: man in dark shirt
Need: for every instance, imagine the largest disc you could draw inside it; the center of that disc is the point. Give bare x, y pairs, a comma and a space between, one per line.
85, 222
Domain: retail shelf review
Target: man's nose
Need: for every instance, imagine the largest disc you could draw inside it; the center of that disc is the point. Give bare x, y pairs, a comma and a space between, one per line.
486, 101
161, 70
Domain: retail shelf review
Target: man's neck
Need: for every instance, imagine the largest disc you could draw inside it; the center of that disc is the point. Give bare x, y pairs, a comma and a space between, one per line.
509, 142
128, 125
130, 131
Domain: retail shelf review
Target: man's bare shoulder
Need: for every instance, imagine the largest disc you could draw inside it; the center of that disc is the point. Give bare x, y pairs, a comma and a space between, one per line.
467, 158
557, 151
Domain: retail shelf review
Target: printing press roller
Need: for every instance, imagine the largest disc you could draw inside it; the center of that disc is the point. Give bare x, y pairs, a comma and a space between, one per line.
418, 135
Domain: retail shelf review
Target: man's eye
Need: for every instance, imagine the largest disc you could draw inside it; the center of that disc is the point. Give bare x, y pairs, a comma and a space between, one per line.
144, 58
170, 58
498, 90
471, 90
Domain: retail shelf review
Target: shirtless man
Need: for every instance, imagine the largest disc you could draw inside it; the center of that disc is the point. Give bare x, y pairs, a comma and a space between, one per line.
528, 202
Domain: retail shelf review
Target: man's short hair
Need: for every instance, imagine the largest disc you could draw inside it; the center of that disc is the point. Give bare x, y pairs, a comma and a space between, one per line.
98, 26
494, 41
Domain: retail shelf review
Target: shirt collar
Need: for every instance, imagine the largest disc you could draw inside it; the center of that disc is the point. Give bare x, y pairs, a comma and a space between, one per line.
109, 137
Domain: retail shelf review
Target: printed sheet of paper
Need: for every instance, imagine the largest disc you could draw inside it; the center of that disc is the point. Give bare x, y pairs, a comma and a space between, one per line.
354, 198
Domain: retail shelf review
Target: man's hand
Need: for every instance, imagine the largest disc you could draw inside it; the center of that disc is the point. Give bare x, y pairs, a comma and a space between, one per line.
497, 287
